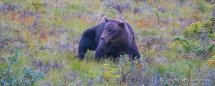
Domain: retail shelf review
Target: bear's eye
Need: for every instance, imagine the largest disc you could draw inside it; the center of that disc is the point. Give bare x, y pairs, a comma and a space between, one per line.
110, 30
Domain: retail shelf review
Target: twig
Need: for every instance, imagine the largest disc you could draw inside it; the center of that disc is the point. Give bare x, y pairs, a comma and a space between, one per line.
132, 65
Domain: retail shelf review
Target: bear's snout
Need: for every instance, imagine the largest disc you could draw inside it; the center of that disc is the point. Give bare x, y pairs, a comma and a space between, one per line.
102, 38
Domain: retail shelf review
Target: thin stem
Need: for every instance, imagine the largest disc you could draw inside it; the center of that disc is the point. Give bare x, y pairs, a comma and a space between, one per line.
132, 65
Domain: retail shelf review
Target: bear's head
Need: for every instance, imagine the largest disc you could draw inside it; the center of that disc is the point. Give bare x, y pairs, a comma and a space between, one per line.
115, 31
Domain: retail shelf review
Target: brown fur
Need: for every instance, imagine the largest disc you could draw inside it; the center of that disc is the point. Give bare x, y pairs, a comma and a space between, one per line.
111, 38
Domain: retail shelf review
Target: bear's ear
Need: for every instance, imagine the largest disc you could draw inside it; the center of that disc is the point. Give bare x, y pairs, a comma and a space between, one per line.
122, 24
106, 19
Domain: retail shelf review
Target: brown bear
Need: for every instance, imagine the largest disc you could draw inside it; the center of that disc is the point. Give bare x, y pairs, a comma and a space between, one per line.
110, 38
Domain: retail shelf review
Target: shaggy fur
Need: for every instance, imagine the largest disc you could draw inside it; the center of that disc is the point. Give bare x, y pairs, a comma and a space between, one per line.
110, 38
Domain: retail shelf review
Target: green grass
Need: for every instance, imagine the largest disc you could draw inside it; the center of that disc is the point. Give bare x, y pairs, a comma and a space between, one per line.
61, 23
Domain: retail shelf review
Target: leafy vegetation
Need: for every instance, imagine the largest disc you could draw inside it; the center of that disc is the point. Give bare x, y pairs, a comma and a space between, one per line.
39, 43
18, 76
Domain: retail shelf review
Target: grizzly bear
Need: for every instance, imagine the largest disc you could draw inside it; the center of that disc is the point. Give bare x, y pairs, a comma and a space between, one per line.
110, 38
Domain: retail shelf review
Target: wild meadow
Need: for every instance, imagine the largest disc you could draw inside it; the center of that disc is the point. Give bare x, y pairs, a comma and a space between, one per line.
39, 43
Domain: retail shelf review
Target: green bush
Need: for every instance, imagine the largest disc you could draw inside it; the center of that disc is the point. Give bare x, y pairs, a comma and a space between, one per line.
10, 77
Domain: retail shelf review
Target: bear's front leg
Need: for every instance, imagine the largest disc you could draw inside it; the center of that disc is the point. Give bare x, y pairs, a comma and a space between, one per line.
99, 54
103, 50
133, 53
